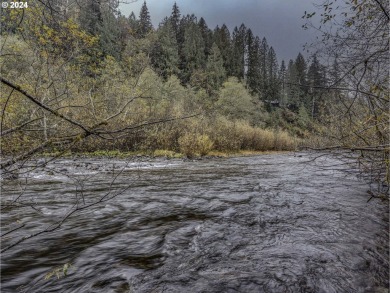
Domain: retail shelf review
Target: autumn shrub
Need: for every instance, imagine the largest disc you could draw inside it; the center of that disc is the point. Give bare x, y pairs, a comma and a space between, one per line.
222, 132
239, 135
254, 138
204, 144
283, 141
192, 144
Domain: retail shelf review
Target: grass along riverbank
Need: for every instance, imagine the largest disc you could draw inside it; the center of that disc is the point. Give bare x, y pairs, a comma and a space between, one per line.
195, 139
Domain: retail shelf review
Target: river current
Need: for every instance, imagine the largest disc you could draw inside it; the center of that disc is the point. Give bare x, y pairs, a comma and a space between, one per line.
268, 223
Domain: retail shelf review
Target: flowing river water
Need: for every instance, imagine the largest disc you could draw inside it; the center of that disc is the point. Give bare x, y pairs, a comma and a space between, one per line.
268, 223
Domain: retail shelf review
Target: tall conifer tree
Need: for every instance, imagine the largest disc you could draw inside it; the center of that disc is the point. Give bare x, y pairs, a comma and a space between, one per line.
207, 35
238, 60
145, 23
193, 57
90, 17
215, 70
165, 56
316, 78
293, 89
301, 67
263, 53
223, 40
253, 63
273, 89
175, 19
283, 84
110, 33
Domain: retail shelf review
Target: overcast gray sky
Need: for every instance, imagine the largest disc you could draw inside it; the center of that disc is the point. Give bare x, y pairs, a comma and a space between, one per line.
278, 20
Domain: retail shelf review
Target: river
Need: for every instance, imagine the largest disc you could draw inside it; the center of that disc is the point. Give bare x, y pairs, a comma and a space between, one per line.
267, 223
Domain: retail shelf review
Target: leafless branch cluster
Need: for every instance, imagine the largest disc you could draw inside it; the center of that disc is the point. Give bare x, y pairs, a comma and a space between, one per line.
355, 39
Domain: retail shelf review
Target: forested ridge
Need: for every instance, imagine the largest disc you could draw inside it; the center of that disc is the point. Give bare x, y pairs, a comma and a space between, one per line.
84, 77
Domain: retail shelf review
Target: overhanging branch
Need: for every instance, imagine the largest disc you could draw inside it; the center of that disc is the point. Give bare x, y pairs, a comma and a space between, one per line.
43, 106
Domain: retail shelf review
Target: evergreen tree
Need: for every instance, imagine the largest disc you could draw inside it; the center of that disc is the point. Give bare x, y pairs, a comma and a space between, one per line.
316, 78
301, 67
263, 54
99, 18
293, 88
301, 80
238, 60
253, 63
193, 57
145, 23
223, 40
175, 19
314, 75
124, 31
207, 35
165, 56
133, 24
109, 34
273, 85
90, 17
215, 70
283, 86
184, 23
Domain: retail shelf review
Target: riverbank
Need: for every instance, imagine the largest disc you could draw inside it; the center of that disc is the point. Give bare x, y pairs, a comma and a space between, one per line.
159, 154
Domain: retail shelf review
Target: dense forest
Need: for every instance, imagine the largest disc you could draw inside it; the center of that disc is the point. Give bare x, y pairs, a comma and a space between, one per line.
84, 77
94, 64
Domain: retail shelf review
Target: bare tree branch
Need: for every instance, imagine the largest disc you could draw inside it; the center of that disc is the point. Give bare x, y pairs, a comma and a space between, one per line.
43, 106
